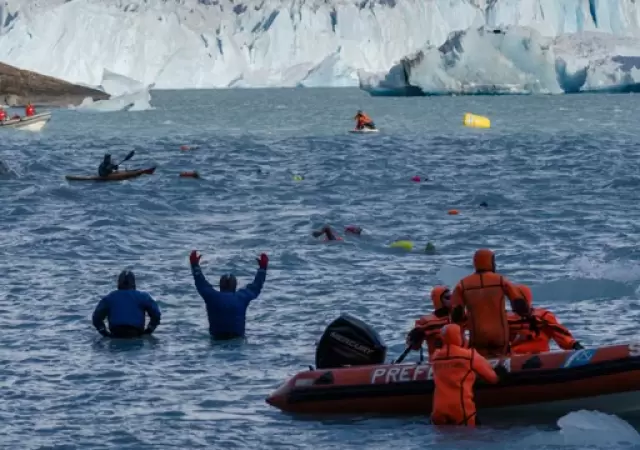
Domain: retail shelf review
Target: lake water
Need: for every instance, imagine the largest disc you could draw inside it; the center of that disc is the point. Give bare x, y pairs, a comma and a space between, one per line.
560, 176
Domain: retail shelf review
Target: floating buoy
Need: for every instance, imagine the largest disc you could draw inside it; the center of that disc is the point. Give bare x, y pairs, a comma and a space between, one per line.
298, 178
453, 212
184, 148
406, 245
416, 179
190, 174
474, 121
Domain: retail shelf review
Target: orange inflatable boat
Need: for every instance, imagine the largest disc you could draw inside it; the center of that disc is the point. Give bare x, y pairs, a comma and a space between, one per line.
605, 379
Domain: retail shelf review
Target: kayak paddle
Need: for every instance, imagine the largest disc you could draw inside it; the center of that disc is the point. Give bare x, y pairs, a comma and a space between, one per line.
128, 157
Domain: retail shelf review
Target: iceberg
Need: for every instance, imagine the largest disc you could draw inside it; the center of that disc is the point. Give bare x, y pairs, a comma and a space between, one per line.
179, 44
126, 95
515, 60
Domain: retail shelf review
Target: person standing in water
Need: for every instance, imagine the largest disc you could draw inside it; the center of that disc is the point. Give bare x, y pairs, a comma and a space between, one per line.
227, 308
125, 310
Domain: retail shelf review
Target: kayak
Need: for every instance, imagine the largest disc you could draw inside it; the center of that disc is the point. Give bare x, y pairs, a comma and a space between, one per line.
116, 176
365, 131
32, 123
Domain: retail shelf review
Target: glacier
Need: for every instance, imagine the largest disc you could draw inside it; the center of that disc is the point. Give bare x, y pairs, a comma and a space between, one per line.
383, 46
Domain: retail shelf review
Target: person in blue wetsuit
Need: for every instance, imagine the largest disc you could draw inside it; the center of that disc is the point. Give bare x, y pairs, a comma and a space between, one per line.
227, 308
107, 167
125, 310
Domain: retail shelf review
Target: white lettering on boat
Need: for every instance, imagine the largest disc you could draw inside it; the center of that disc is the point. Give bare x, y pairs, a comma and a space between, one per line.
419, 372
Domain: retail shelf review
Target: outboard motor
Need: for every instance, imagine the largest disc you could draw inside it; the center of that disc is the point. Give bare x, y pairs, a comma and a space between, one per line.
348, 341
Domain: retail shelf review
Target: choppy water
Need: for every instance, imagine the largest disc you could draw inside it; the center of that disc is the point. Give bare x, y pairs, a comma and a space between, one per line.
560, 175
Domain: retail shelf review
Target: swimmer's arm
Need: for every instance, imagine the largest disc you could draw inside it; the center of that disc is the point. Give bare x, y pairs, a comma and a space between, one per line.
204, 288
152, 308
100, 314
253, 289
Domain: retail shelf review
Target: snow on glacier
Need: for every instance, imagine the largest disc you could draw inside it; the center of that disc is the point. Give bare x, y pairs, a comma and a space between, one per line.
260, 43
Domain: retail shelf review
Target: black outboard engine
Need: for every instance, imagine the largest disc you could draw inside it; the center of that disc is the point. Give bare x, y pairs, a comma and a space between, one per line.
348, 341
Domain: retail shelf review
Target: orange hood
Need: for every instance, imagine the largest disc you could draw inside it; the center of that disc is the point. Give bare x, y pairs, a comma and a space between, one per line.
436, 296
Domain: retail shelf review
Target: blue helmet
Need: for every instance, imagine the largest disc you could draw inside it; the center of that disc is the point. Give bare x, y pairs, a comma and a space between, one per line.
126, 280
228, 283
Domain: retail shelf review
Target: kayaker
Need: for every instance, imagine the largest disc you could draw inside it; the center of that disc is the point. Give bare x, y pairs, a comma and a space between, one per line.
363, 121
427, 328
29, 110
330, 235
454, 373
3, 114
525, 340
481, 295
125, 310
227, 308
106, 167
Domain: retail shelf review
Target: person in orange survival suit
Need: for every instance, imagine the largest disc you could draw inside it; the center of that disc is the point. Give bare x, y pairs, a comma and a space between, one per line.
362, 121
29, 110
526, 339
482, 294
427, 328
454, 374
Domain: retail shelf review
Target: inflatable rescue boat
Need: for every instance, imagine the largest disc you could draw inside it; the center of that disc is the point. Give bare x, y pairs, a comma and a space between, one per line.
351, 378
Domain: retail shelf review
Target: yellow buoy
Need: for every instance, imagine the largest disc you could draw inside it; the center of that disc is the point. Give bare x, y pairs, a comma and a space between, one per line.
406, 245
475, 121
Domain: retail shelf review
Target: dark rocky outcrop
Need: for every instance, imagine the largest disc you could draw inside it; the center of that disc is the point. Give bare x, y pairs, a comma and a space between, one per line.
18, 87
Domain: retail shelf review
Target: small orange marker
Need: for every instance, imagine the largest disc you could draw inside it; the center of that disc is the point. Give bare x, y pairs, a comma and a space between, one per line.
452, 212
190, 174
184, 148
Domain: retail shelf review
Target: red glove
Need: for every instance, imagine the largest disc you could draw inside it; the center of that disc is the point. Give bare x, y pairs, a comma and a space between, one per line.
194, 258
263, 261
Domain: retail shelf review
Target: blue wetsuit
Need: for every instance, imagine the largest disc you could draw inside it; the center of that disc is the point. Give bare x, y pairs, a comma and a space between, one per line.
227, 311
125, 310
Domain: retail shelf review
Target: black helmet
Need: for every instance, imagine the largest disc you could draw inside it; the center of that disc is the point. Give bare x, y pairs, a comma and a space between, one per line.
126, 280
228, 283
107, 157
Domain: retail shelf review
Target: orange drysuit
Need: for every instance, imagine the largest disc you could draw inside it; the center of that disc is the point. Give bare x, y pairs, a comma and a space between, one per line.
454, 373
482, 294
526, 338
429, 326
362, 120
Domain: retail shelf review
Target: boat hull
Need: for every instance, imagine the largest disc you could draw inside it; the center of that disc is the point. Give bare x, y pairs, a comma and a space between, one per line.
607, 379
116, 176
34, 123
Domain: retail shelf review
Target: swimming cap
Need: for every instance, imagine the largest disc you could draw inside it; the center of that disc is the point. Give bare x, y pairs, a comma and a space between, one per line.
228, 283
126, 280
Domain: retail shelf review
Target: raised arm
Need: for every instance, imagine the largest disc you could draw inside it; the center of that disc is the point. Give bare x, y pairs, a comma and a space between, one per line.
253, 289
203, 287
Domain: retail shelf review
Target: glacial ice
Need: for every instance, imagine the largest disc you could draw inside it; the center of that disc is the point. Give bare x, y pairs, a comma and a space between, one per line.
515, 60
126, 95
178, 44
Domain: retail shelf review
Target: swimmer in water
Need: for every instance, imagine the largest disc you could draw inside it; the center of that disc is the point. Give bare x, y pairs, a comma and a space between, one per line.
330, 235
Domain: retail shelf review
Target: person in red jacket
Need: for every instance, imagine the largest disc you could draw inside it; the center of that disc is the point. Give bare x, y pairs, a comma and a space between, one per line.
29, 110
526, 339
3, 114
455, 369
364, 121
427, 328
478, 299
